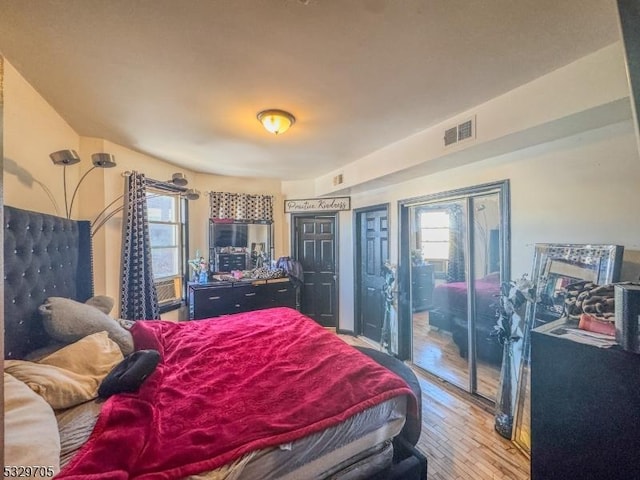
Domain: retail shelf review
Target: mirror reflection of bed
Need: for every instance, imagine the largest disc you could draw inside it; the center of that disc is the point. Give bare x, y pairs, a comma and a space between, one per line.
449, 258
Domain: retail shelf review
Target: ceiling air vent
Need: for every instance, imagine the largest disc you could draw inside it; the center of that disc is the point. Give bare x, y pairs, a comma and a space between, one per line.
450, 136
465, 130
462, 131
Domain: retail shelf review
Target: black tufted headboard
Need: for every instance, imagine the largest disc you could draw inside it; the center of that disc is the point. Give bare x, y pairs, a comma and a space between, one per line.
44, 256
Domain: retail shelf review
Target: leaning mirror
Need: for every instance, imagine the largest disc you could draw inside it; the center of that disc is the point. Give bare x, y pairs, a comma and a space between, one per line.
554, 267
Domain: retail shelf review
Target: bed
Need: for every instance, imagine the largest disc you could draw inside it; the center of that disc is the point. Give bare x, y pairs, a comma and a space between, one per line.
449, 307
258, 395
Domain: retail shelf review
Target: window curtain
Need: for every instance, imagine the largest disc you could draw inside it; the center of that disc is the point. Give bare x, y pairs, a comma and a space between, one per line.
138, 295
455, 269
241, 207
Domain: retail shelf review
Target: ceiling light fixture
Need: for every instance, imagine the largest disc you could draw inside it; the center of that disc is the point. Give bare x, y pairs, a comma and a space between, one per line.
276, 121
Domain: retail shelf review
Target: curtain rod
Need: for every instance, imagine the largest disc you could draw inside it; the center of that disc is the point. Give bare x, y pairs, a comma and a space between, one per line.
162, 184
239, 193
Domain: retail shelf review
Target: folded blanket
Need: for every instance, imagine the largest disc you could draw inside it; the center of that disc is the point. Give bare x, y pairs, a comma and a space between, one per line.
228, 386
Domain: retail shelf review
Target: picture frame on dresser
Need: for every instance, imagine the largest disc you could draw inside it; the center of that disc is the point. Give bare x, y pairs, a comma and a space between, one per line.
554, 267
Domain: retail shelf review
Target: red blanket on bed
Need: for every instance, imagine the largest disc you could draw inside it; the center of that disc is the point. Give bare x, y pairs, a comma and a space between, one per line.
227, 386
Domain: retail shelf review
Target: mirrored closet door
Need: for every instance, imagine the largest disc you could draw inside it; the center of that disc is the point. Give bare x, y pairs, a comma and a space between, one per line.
458, 249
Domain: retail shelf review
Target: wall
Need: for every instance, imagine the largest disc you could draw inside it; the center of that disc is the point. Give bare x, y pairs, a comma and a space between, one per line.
33, 129
576, 189
588, 93
564, 140
580, 189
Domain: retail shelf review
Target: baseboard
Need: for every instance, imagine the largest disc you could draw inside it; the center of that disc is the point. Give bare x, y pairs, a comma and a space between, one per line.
345, 332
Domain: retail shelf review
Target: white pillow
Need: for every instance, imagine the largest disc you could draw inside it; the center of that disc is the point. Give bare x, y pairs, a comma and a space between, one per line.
30, 431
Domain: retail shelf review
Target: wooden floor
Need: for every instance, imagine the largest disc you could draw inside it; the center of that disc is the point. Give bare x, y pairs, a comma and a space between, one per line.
458, 437
435, 351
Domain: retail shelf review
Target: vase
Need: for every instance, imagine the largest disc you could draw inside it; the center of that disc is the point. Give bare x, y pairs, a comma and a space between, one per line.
504, 400
202, 278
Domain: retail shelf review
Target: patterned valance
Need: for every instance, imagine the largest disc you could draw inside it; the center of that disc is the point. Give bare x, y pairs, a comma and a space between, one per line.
241, 207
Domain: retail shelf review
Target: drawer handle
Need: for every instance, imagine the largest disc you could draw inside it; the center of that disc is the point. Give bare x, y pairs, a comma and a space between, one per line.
214, 298
249, 294
282, 290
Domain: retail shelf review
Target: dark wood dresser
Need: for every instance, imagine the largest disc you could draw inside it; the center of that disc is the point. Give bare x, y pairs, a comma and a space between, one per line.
226, 262
585, 409
222, 298
422, 283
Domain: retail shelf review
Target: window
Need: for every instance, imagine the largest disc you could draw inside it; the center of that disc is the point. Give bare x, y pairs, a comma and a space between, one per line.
166, 212
434, 235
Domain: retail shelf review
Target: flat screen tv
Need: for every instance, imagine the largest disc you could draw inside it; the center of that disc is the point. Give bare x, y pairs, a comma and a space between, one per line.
230, 235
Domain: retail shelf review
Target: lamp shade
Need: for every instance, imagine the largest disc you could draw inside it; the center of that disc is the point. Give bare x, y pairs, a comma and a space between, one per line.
192, 194
179, 179
276, 121
103, 160
64, 157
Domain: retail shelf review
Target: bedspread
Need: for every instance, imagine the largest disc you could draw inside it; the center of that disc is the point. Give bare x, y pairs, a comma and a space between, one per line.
227, 386
451, 298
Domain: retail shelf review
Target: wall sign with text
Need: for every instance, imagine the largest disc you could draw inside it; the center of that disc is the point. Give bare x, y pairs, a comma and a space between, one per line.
330, 204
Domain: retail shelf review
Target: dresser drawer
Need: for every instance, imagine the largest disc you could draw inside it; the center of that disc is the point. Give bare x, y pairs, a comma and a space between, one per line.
246, 298
281, 294
212, 302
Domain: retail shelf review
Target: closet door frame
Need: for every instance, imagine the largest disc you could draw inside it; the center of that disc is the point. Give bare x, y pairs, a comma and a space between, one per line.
404, 259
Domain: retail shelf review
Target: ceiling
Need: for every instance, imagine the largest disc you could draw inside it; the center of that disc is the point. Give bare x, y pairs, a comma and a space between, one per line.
184, 80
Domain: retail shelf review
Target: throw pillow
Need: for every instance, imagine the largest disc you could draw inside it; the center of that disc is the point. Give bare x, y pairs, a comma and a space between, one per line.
102, 303
31, 432
67, 321
71, 375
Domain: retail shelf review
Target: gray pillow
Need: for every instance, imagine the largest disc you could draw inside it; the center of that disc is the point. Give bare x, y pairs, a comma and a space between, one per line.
68, 321
102, 303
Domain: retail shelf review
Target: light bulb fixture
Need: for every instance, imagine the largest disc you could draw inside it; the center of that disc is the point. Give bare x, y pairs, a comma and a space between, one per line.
71, 157
103, 160
178, 179
191, 194
64, 157
276, 121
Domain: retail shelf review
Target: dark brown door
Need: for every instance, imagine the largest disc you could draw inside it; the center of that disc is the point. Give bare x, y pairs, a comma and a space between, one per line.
315, 249
373, 251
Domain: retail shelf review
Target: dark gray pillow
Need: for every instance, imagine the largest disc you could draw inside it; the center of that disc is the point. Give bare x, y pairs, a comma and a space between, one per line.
68, 321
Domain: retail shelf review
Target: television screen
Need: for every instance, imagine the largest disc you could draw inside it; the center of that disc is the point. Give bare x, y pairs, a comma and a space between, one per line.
230, 235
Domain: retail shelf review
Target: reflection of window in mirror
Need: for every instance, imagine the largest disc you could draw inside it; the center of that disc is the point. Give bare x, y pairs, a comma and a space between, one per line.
433, 239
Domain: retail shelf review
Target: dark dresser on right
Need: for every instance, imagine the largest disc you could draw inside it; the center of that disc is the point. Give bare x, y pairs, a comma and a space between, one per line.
585, 409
